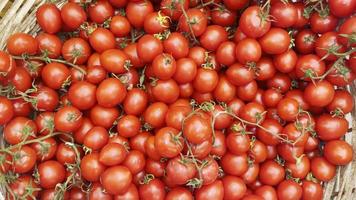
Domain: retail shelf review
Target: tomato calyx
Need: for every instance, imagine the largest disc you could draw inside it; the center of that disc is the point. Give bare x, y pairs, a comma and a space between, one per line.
147, 179
194, 183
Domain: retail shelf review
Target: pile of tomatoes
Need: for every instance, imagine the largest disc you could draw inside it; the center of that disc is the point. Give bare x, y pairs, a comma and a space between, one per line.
178, 99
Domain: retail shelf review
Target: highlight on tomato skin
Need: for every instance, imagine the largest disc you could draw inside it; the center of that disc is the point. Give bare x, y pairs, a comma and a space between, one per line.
178, 99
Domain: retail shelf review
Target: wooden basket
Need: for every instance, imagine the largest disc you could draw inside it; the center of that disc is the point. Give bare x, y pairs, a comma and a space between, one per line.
20, 16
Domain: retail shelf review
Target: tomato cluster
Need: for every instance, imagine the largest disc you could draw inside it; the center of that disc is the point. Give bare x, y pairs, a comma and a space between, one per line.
178, 99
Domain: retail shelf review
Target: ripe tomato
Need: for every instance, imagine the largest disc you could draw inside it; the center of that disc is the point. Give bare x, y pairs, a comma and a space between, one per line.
205, 80
24, 159
322, 169
91, 168
55, 75
82, 95
97, 192
148, 47
120, 26
319, 94
19, 129
338, 152
110, 92
169, 142
137, 11
275, 41
102, 39
327, 41
271, 173
23, 186
96, 138
153, 190
22, 43
197, 129
284, 15
312, 190
45, 150
289, 190
234, 187
49, 18
68, 119
342, 8
50, 44
288, 109
199, 19
73, 15
51, 173
248, 50
235, 165
155, 22
6, 110
164, 66
254, 22
322, 24
212, 191
212, 37
100, 11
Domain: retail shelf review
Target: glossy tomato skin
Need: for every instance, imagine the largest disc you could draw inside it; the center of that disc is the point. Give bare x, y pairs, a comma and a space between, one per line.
271, 173
91, 168
22, 43
19, 129
213, 36
319, 94
6, 110
343, 8
137, 11
82, 95
330, 128
153, 190
248, 50
179, 193
49, 43
213, 191
97, 192
73, 15
312, 190
19, 187
49, 18
251, 24
100, 11
51, 173
102, 39
234, 187
322, 169
338, 152
148, 47
110, 93
289, 190
322, 24
27, 159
